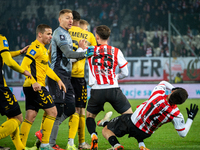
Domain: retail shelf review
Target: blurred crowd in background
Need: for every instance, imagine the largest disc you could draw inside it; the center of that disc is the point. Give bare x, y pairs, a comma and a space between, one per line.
139, 27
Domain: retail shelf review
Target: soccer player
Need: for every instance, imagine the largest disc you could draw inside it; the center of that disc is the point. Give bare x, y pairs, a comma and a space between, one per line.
37, 96
83, 24
77, 120
61, 53
150, 115
104, 81
8, 103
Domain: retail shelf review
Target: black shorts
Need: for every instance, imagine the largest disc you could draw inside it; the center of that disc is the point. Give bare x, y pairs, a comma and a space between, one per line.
38, 100
8, 103
122, 125
59, 96
80, 89
114, 96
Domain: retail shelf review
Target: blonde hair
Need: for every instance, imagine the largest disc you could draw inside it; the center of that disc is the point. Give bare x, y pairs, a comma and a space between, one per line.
83, 22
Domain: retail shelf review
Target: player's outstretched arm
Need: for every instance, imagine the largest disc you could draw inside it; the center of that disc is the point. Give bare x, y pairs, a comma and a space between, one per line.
11, 62
181, 127
19, 52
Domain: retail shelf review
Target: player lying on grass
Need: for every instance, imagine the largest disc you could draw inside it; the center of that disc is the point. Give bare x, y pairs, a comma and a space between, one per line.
157, 110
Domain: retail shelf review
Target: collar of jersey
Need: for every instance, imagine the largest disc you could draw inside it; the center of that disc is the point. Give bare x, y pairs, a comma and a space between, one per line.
63, 28
38, 43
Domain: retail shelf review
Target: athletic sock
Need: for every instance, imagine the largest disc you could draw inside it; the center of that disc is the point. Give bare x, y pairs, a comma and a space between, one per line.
8, 127
24, 131
62, 118
71, 142
81, 129
54, 132
43, 118
47, 127
141, 144
73, 125
16, 140
113, 140
91, 125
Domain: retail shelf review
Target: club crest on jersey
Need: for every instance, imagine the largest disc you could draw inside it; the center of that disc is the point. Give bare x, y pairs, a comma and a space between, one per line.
62, 37
5, 43
32, 52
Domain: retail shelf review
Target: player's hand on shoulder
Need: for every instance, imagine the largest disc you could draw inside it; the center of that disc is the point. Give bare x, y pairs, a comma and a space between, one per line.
26, 73
62, 86
24, 50
82, 44
36, 86
193, 111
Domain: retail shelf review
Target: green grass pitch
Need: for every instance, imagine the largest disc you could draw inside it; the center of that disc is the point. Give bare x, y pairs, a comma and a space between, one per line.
165, 138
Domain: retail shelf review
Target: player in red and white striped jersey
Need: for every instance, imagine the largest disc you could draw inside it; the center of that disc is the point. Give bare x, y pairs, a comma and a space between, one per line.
104, 81
157, 110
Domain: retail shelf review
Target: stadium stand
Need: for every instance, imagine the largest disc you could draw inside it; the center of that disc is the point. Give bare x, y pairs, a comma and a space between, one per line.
148, 15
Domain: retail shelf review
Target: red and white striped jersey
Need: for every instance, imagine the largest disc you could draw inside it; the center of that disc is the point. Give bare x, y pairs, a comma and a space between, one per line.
102, 66
156, 111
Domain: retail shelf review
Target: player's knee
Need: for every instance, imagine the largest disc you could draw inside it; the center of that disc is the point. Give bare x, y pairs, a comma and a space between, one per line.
19, 117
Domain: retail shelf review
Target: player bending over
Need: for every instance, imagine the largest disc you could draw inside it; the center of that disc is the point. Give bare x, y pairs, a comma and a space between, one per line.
157, 110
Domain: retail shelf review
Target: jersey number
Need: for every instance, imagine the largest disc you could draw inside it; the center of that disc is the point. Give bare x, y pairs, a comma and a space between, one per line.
153, 117
106, 58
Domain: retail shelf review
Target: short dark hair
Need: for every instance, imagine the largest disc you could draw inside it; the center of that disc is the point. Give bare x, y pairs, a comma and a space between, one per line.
41, 28
103, 31
63, 11
179, 96
76, 15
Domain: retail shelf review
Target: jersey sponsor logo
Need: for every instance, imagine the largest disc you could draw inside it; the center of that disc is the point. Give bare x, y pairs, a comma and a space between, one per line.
62, 37
37, 46
33, 52
5, 43
43, 62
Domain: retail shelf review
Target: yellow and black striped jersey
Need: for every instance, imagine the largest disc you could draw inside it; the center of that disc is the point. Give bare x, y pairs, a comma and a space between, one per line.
36, 62
78, 34
6, 57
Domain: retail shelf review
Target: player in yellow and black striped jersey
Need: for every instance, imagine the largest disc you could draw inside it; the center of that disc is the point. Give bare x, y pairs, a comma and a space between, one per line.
37, 96
77, 120
8, 103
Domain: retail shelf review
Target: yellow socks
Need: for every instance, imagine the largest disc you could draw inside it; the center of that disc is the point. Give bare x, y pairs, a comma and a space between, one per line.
8, 127
73, 125
81, 129
24, 131
47, 126
43, 118
11, 127
16, 140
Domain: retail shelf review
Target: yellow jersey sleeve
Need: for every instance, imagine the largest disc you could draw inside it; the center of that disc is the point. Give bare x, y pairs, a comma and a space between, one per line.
6, 56
92, 40
11, 62
15, 53
3, 43
25, 64
51, 74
